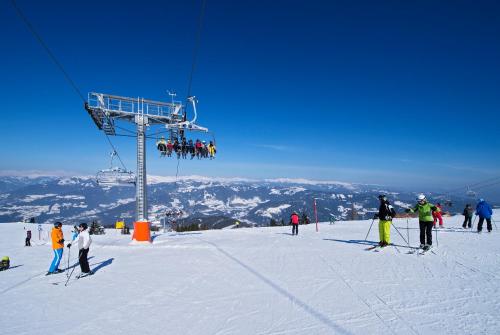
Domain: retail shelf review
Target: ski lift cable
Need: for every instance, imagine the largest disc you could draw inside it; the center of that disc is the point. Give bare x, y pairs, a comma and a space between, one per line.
488, 185
52, 56
196, 46
475, 185
38, 37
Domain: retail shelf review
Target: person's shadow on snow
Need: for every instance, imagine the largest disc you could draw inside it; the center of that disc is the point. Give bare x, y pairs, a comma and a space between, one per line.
102, 264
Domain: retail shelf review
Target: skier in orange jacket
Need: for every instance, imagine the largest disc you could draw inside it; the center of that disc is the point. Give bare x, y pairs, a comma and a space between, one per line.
58, 247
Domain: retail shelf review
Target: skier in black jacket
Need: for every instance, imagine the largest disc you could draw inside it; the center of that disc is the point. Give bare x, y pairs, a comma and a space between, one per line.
468, 212
385, 215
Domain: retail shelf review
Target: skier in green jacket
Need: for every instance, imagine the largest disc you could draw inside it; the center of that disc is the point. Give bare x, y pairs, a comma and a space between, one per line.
425, 220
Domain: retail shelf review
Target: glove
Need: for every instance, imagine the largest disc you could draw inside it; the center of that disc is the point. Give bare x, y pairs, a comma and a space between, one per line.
61, 240
407, 210
69, 245
375, 217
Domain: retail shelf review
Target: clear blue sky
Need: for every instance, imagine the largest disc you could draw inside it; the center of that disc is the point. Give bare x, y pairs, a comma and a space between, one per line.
390, 92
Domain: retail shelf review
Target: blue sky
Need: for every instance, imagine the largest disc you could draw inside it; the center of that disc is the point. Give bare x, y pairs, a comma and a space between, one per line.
397, 93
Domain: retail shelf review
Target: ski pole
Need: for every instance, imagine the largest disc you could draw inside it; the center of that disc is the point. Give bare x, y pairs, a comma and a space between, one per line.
67, 269
473, 222
407, 231
400, 234
437, 241
369, 229
494, 222
71, 273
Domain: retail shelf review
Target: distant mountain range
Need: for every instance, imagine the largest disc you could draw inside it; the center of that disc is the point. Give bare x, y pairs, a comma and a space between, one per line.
215, 202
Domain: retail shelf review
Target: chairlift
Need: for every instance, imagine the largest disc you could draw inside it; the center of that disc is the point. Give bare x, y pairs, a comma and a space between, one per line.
115, 176
177, 145
470, 193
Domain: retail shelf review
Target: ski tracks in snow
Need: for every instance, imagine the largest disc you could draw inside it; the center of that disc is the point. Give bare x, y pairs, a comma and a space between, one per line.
363, 293
295, 300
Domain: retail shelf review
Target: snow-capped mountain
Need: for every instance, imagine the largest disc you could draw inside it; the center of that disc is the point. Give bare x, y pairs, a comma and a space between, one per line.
76, 199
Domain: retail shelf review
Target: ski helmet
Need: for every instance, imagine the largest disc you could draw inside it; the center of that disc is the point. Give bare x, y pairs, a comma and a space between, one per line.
57, 224
481, 200
421, 197
83, 225
382, 197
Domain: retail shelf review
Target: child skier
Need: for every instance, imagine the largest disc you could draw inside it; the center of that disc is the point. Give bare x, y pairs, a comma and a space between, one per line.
75, 234
385, 215
425, 220
294, 220
468, 212
84, 242
436, 215
4, 263
57, 237
484, 211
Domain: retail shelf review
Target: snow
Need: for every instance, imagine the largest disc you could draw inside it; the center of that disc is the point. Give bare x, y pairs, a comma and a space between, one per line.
25, 211
287, 191
339, 196
272, 211
257, 281
402, 204
118, 203
310, 182
240, 203
176, 203
71, 197
34, 197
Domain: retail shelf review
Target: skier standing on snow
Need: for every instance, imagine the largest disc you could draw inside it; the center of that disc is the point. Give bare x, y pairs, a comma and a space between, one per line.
484, 211
425, 220
436, 215
75, 234
294, 220
58, 246
385, 215
468, 212
84, 242
27, 242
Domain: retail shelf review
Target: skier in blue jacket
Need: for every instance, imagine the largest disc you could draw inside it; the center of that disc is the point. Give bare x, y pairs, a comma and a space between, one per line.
484, 211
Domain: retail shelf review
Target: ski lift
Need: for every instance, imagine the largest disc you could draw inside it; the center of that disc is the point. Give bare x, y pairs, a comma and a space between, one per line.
470, 193
115, 176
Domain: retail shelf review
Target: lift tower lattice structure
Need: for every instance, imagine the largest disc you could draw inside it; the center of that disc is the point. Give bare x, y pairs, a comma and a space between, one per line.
106, 110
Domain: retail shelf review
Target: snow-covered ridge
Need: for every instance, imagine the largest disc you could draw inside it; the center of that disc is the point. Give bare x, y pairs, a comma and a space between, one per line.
206, 179
68, 178
310, 182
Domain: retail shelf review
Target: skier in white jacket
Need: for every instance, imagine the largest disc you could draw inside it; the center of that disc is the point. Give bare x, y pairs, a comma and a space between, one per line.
84, 242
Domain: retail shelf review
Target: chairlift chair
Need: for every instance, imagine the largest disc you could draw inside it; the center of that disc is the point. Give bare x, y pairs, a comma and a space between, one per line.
470, 193
115, 176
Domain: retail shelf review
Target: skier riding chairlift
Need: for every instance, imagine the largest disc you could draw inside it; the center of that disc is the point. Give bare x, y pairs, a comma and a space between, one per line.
162, 146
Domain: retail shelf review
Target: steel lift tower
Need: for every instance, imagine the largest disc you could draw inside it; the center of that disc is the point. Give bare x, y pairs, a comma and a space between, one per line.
106, 110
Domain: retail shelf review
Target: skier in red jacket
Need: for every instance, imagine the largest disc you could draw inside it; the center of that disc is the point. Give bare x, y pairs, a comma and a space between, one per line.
294, 220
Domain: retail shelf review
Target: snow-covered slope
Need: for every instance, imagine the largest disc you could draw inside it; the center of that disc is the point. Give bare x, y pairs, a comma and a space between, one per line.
258, 281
